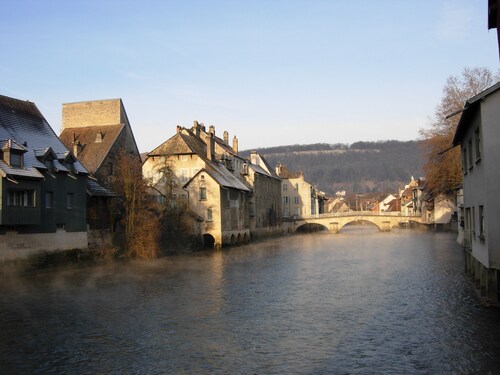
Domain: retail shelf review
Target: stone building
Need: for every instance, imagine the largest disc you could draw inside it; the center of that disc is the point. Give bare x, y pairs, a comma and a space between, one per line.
98, 133
478, 134
42, 185
204, 171
266, 207
299, 197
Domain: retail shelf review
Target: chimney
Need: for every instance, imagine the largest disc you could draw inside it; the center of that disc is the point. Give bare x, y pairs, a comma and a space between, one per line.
178, 129
212, 129
226, 137
210, 146
253, 158
235, 145
278, 169
196, 128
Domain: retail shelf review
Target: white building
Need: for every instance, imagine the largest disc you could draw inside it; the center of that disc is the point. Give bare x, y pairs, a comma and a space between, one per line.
478, 134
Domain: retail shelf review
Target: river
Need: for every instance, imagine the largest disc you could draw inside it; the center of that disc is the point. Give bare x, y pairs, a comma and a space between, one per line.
359, 302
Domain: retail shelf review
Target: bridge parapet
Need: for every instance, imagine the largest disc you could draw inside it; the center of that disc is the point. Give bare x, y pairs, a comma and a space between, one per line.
334, 222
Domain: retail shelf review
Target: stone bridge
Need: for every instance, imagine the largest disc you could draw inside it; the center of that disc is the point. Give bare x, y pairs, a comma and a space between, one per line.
334, 222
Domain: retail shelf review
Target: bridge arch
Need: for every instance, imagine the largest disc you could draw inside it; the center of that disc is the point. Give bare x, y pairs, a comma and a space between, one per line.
371, 222
311, 227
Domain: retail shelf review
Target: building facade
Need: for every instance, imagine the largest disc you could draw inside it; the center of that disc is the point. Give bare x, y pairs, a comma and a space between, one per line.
42, 185
478, 134
204, 173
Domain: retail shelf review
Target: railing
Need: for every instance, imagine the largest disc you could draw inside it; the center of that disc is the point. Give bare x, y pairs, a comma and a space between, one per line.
355, 213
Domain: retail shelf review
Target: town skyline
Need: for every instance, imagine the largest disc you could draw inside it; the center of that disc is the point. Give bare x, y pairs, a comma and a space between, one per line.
345, 73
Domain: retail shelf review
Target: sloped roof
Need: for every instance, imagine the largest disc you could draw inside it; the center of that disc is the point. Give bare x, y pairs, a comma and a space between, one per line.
92, 153
285, 173
222, 176
178, 144
186, 142
22, 122
94, 189
470, 108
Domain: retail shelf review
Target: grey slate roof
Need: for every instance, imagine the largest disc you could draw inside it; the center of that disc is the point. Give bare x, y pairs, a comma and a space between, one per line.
94, 189
22, 122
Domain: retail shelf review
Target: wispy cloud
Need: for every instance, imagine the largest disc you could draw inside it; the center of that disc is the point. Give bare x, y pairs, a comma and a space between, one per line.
455, 20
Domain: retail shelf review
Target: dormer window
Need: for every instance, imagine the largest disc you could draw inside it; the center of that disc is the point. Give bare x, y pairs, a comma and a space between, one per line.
13, 153
99, 137
16, 160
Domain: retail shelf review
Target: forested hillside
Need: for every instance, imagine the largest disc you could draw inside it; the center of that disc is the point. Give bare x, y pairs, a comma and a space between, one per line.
361, 167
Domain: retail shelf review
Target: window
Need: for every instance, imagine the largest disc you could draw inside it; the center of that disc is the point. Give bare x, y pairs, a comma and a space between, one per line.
21, 198
285, 187
285, 200
16, 160
184, 175
469, 162
296, 200
464, 160
203, 193
49, 199
477, 139
70, 197
297, 186
481, 222
209, 214
473, 221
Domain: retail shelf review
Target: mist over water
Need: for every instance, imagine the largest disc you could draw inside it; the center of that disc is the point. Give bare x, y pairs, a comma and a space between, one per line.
357, 302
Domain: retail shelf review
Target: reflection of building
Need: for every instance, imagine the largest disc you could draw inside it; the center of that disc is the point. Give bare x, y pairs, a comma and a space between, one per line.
300, 198
478, 134
42, 185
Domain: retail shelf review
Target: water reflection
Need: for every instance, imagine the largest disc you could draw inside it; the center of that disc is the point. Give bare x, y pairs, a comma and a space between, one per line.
357, 302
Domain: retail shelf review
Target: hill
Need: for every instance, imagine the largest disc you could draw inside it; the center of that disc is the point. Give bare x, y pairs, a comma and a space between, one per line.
362, 167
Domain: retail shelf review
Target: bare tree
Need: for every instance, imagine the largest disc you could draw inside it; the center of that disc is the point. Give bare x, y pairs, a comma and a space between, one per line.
139, 219
442, 165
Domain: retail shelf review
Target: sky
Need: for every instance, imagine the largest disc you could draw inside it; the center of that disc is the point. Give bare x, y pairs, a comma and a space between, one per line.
271, 72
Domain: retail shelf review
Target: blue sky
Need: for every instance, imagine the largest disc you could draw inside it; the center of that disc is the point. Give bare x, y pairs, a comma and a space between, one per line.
272, 72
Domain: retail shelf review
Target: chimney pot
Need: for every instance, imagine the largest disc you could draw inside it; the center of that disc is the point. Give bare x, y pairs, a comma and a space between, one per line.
210, 146
178, 128
226, 137
235, 145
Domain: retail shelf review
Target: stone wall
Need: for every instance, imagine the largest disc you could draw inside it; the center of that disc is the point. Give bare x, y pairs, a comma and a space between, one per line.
92, 113
17, 246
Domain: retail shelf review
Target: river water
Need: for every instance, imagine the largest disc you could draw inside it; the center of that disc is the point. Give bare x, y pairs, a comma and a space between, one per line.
360, 302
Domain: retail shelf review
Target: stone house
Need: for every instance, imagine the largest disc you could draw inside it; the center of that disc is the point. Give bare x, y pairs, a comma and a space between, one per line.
204, 175
336, 205
42, 185
266, 210
300, 198
98, 132
478, 135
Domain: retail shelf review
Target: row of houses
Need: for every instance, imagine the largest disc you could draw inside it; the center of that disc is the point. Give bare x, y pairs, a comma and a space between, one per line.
56, 191
233, 198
